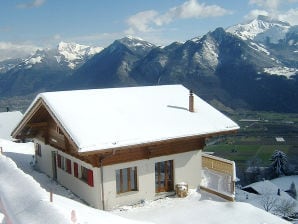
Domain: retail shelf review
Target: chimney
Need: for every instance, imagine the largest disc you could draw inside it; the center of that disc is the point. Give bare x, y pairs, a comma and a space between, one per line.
191, 102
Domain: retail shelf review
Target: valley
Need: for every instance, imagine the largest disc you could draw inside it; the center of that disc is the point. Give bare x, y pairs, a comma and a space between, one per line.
261, 133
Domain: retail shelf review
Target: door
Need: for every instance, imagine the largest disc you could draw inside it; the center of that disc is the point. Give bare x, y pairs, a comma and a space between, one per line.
164, 178
54, 165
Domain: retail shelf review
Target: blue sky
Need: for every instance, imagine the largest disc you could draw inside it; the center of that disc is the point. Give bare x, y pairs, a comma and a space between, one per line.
29, 24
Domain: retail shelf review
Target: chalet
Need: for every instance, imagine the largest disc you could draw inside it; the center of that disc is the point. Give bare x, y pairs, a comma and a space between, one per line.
120, 146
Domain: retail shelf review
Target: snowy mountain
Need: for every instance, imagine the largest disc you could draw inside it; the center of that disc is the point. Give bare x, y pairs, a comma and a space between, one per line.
71, 55
66, 54
6, 65
262, 29
112, 66
75, 54
276, 38
250, 66
43, 70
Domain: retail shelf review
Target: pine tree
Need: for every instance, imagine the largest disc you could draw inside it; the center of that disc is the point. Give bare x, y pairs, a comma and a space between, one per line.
292, 191
279, 162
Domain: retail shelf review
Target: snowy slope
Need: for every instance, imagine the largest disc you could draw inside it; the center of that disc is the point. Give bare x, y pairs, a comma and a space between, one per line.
73, 53
198, 207
261, 28
8, 121
66, 54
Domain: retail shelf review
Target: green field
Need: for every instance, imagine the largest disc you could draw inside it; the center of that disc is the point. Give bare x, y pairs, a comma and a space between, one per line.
257, 138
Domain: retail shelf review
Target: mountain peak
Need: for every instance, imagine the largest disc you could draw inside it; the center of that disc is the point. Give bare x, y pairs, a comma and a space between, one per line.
135, 44
130, 41
261, 29
74, 53
272, 20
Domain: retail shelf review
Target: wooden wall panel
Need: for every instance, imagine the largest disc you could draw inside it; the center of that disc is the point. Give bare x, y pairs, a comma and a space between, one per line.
152, 150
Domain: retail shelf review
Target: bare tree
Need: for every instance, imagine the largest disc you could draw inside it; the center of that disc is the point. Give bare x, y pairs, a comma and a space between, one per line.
268, 201
285, 208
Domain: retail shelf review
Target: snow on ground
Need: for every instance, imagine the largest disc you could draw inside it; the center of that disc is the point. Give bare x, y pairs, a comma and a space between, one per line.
264, 188
8, 121
198, 207
284, 183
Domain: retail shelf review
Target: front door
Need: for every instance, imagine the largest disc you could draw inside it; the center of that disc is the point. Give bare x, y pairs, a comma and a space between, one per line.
164, 178
54, 165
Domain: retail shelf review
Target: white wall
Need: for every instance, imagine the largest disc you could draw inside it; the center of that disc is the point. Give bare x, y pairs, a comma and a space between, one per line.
92, 195
44, 162
187, 168
89, 194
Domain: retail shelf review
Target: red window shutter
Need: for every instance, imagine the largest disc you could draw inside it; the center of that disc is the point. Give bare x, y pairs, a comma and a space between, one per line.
68, 163
75, 167
59, 160
90, 178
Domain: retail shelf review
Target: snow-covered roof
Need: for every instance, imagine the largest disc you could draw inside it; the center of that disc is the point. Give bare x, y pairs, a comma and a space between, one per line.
8, 121
109, 118
263, 187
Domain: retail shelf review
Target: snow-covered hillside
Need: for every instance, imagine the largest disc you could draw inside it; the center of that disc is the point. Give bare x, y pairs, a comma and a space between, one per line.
70, 55
73, 53
8, 121
261, 29
30, 204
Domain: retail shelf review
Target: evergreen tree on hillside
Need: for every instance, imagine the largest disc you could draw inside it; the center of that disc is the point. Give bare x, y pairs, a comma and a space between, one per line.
292, 191
279, 163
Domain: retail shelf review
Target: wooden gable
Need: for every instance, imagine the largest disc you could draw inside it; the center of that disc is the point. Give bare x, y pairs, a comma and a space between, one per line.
40, 123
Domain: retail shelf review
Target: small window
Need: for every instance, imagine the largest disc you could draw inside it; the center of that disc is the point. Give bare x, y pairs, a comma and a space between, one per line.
59, 131
87, 176
76, 170
38, 149
62, 163
68, 166
126, 180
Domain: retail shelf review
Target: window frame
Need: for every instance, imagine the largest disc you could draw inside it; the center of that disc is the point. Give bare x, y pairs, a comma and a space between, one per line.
164, 176
38, 149
87, 176
126, 180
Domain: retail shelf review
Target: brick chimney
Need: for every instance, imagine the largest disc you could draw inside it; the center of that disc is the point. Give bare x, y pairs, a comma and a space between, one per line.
191, 102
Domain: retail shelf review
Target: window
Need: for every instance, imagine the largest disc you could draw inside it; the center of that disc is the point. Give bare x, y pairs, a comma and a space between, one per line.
38, 149
87, 176
75, 170
64, 163
59, 131
126, 180
68, 166
164, 178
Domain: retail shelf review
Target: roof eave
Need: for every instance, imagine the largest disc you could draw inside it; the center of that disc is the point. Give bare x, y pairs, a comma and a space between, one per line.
109, 149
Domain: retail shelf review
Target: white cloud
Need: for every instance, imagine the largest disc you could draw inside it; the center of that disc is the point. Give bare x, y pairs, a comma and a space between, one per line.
32, 4
142, 21
267, 4
146, 20
10, 50
255, 13
57, 37
273, 8
290, 16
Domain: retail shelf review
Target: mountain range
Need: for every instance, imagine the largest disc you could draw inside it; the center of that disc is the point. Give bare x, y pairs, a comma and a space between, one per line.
246, 66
